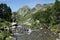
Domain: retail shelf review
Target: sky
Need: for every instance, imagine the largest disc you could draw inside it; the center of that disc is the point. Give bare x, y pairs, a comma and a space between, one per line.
16, 4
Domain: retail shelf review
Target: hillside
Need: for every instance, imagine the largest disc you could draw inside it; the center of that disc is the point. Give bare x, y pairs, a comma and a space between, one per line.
26, 13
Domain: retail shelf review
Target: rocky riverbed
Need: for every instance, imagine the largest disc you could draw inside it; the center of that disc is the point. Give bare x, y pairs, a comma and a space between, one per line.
24, 33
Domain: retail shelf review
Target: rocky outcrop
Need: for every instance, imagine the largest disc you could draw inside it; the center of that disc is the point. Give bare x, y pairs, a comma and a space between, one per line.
24, 10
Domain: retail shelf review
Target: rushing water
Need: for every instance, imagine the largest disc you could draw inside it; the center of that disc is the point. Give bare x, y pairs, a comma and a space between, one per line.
25, 33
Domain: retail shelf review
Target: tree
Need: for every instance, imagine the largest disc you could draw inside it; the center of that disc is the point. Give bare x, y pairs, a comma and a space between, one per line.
5, 20
5, 12
55, 15
56, 12
43, 17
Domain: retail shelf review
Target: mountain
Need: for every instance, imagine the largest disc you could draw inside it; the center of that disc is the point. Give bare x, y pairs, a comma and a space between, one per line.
24, 10
25, 13
38, 6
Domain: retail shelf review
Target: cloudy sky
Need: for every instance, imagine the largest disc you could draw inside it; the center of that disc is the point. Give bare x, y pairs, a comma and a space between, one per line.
16, 4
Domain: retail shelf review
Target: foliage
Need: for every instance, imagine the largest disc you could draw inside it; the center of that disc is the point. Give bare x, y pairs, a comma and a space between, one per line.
50, 17
43, 17
8, 38
5, 21
55, 16
5, 12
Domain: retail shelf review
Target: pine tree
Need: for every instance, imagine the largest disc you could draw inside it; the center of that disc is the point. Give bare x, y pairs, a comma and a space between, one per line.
5, 12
